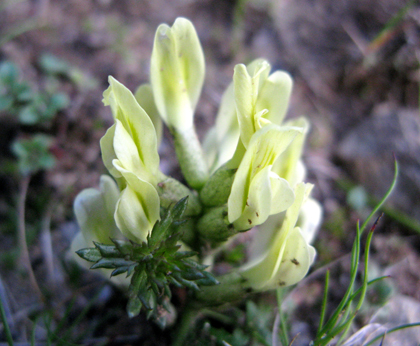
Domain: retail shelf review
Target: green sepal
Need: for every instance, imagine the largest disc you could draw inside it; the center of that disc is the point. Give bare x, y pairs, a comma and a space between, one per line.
171, 190
216, 191
214, 227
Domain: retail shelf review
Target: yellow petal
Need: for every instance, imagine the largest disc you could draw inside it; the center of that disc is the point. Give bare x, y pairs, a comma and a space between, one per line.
274, 96
264, 148
94, 210
144, 96
138, 207
138, 128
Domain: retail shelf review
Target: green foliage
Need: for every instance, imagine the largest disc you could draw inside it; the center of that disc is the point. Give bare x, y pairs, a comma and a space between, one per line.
251, 326
33, 154
340, 321
55, 67
19, 99
154, 264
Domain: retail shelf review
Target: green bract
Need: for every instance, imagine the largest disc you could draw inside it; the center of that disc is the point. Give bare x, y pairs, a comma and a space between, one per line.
257, 191
177, 73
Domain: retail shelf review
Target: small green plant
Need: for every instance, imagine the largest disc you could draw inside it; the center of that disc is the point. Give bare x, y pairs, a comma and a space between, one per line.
32, 111
17, 98
248, 174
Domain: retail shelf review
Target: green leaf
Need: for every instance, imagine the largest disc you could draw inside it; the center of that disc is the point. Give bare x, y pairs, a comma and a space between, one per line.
33, 153
29, 115
9, 73
184, 254
53, 65
152, 265
107, 250
161, 228
179, 208
134, 307
123, 246
5, 102
192, 274
90, 254
208, 280
110, 263
59, 101
120, 270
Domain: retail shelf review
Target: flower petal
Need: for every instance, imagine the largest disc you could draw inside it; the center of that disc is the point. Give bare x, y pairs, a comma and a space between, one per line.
274, 96
94, 210
144, 96
282, 195
258, 204
298, 255
108, 152
137, 126
138, 207
247, 82
264, 148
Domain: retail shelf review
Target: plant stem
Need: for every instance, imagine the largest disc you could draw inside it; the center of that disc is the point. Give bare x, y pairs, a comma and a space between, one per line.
324, 301
185, 326
24, 253
190, 156
283, 328
231, 288
6, 325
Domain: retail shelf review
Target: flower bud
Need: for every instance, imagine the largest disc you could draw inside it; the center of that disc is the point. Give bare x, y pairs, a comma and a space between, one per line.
177, 73
216, 191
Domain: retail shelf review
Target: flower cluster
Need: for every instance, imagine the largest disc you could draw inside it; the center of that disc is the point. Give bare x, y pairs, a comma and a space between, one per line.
247, 173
